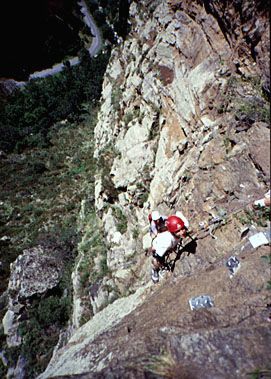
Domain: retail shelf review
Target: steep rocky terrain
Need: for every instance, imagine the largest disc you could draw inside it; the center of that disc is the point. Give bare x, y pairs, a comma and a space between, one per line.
183, 124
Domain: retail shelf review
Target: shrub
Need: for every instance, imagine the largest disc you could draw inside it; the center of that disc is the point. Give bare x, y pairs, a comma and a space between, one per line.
40, 332
129, 116
253, 109
115, 98
121, 220
135, 233
166, 366
260, 374
259, 216
3, 370
103, 266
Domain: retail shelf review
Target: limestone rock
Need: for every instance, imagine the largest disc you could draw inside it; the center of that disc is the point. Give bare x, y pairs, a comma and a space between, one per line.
100, 323
34, 272
259, 149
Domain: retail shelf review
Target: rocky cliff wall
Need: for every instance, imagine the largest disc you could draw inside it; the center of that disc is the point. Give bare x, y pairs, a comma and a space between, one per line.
183, 125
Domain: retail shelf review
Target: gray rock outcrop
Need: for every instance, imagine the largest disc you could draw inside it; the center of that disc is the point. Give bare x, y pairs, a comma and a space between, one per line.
32, 274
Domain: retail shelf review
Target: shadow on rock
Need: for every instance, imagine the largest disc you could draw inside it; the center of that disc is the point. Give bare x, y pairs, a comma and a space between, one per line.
189, 248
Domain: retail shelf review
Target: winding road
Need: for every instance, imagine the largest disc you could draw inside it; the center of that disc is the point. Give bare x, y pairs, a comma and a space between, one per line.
95, 46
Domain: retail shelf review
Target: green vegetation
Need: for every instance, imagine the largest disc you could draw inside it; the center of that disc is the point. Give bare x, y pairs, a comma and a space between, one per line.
142, 189
154, 132
129, 116
227, 144
91, 246
186, 176
103, 165
31, 112
260, 374
247, 108
254, 109
3, 370
121, 219
12, 354
142, 197
38, 204
133, 115
267, 258
90, 270
41, 206
43, 184
104, 270
39, 186
40, 332
115, 11
136, 233
115, 98
166, 366
259, 216
47, 172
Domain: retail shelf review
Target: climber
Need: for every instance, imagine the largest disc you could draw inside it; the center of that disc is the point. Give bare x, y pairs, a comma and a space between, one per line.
166, 242
157, 223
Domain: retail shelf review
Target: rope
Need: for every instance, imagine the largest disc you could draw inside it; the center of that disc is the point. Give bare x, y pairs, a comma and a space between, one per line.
215, 222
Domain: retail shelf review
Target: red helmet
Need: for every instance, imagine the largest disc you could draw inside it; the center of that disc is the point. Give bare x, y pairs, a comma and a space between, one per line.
174, 224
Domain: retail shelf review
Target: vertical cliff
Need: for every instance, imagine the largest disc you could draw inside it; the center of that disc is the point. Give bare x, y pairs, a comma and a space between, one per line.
183, 124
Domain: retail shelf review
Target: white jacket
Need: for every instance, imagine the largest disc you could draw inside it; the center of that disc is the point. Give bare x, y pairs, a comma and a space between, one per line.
164, 242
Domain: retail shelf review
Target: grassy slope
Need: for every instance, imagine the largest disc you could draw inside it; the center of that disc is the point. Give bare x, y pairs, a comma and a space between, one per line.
41, 192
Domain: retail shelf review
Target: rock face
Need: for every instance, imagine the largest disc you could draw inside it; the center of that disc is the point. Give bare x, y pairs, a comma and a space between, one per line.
29, 276
182, 126
32, 274
225, 341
